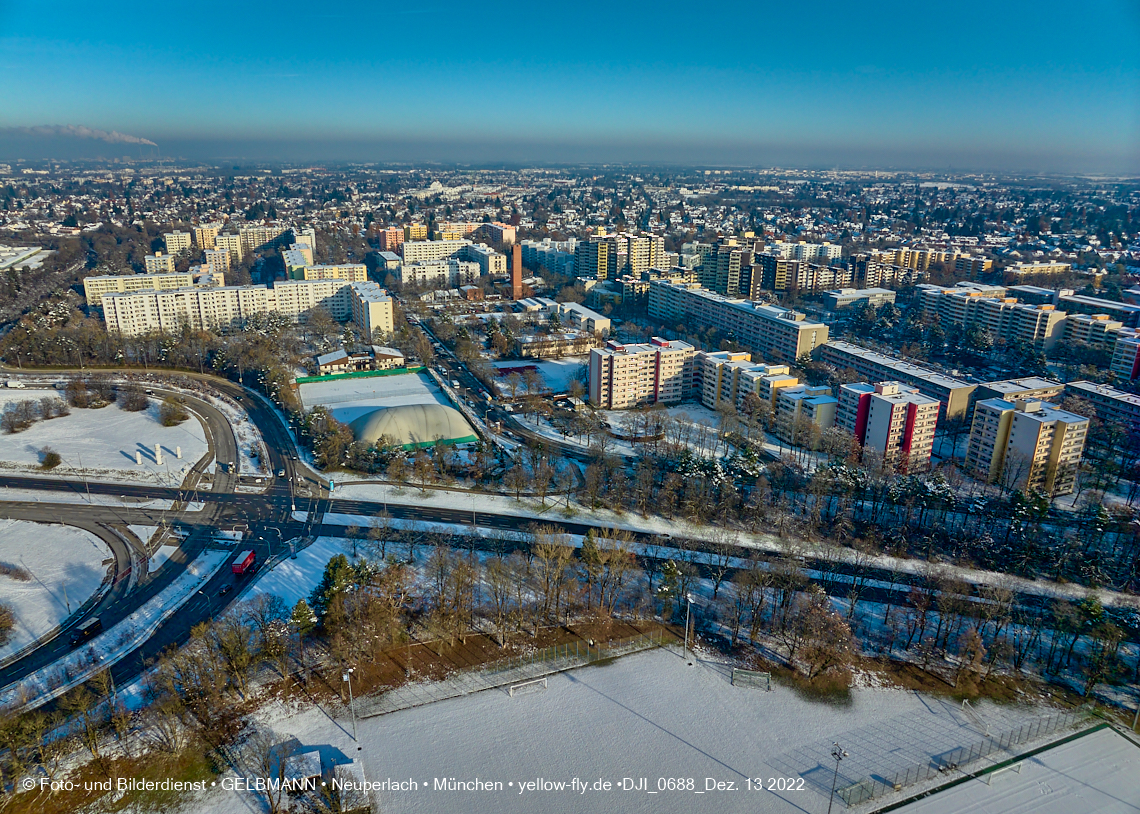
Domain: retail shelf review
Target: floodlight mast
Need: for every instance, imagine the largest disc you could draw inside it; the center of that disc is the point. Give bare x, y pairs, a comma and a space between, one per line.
838, 753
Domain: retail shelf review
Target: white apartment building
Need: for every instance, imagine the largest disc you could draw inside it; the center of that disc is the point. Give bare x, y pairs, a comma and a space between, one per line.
1026, 444
624, 376
555, 255
428, 251
255, 236
353, 272
94, 288
771, 332
448, 273
177, 241
802, 250
893, 419
305, 237
158, 263
1004, 317
1095, 330
1126, 354
228, 307
1039, 267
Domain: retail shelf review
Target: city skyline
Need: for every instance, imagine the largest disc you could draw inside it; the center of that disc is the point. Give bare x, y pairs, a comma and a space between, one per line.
1012, 88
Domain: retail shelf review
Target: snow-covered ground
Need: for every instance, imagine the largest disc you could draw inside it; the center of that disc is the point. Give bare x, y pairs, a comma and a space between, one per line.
1095, 773
644, 716
102, 443
66, 565
112, 644
557, 373
348, 399
293, 580
144, 533
160, 557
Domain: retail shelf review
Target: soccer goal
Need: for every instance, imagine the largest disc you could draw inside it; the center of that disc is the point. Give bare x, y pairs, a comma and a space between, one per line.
751, 679
526, 687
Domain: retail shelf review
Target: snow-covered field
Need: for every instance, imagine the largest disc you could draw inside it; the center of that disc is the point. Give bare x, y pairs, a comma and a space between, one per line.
1095, 773
66, 566
557, 373
102, 443
644, 716
348, 399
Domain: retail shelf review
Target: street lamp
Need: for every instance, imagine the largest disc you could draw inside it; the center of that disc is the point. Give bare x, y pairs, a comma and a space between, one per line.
688, 610
347, 676
838, 753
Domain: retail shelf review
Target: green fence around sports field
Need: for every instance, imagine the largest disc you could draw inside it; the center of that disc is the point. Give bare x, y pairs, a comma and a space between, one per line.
360, 374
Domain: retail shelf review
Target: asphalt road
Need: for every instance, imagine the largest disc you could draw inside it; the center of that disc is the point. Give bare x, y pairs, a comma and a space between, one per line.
266, 516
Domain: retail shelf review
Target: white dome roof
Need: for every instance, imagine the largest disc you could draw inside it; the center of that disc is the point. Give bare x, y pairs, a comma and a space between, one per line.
413, 425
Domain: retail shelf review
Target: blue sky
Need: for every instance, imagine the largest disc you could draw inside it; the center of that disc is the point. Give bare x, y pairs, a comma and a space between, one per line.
1001, 83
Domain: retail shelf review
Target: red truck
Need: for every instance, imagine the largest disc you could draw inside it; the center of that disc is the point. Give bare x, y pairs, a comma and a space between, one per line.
243, 563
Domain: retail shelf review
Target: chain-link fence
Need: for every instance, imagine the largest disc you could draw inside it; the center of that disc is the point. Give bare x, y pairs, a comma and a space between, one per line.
513, 670
941, 765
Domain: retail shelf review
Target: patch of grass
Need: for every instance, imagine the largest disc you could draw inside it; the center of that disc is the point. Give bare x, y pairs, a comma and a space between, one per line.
16, 572
832, 688
172, 412
194, 764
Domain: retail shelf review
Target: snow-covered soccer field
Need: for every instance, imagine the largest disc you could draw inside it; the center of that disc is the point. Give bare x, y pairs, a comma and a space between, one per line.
65, 566
102, 443
348, 399
645, 716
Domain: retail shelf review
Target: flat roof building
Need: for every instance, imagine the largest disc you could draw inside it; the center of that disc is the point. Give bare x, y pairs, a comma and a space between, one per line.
353, 272
892, 419
1030, 387
1111, 405
843, 298
624, 376
954, 394
95, 288
177, 241
803, 412
1025, 444
159, 263
779, 334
